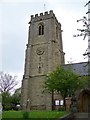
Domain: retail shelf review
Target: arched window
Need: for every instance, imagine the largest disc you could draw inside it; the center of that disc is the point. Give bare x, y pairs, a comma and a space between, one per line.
41, 29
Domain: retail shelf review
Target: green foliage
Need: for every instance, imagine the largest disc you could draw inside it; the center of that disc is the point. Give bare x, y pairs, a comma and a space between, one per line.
10, 102
64, 82
6, 101
83, 82
16, 99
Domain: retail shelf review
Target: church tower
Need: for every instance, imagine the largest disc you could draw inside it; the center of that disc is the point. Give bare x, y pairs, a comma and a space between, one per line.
44, 53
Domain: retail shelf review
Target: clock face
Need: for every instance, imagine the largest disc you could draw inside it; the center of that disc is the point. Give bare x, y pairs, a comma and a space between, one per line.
40, 51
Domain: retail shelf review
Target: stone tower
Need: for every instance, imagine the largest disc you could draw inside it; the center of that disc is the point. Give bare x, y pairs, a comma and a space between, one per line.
44, 53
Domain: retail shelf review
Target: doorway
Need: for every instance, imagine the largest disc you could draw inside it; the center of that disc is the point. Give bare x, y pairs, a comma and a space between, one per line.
84, 100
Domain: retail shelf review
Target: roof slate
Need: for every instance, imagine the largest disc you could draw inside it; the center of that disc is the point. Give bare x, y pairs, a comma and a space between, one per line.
77, 68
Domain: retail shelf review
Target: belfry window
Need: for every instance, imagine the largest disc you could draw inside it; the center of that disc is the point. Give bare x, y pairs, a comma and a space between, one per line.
41, 29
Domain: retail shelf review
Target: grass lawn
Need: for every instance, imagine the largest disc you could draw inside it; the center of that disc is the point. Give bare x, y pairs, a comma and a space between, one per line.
40, 115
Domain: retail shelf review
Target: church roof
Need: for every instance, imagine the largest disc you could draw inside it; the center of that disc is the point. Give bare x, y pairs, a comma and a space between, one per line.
77, 68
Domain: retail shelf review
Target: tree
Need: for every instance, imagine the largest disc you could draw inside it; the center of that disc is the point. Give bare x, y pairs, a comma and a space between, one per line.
15, 99
6, 101
7, 82
86, 33
9, 101
64, 82
7, 85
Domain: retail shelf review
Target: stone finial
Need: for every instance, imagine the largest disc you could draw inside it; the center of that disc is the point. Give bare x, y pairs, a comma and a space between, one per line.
59, 24
46, 13
41, 14
36, 15
51, 11
32, 17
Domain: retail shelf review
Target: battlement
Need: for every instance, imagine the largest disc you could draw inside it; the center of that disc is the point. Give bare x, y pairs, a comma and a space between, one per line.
42, 16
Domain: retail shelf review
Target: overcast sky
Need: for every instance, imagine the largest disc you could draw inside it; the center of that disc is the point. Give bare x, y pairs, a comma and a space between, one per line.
14, 18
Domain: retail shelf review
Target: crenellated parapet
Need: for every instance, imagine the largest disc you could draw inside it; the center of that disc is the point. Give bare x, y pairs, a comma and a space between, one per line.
43, 16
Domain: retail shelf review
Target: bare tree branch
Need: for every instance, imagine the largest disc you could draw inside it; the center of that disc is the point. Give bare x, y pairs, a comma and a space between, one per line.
7, 82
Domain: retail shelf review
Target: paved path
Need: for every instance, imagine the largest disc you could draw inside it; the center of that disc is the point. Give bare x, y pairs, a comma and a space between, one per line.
82, 116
